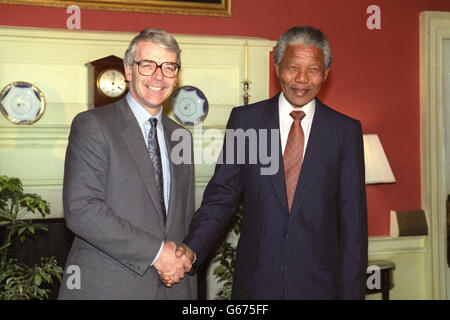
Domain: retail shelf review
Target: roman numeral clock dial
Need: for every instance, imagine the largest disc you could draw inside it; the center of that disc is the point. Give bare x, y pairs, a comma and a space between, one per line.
107, 81
111, 83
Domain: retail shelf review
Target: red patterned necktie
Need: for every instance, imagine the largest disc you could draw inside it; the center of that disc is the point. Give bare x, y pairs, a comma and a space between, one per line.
293, 155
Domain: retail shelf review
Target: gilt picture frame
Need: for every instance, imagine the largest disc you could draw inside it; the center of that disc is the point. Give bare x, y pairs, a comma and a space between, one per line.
220, 8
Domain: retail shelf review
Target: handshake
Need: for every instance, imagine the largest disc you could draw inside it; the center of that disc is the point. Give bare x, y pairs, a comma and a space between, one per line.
173, 263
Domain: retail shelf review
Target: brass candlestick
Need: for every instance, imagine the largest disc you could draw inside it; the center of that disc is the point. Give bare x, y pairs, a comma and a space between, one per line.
246, 88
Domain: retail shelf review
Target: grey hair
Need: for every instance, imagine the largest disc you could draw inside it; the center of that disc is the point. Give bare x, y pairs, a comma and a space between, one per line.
157, 36
306, 35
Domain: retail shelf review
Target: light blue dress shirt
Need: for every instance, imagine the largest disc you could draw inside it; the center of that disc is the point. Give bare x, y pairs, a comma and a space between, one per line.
142, 117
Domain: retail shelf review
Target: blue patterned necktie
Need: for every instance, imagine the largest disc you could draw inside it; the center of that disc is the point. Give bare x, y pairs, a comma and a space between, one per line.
155, 156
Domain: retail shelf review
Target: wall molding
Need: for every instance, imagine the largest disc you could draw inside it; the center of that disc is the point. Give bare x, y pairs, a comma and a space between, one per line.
43, 183
37, 135
434, 28
394, 246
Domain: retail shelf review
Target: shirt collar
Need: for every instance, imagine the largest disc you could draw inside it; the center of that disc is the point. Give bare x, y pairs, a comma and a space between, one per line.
139, 111
286, 108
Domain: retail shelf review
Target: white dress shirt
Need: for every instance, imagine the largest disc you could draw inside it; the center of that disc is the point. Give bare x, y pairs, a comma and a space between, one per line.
284, 110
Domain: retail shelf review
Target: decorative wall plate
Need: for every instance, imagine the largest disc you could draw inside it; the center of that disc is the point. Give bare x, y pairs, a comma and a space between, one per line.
22, 103
189, 105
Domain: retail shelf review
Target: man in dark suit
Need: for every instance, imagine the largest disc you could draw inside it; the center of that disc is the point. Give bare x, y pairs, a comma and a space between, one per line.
304, 230
126, 201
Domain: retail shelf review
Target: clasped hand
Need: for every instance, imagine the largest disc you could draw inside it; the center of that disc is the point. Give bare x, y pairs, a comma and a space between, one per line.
173, 263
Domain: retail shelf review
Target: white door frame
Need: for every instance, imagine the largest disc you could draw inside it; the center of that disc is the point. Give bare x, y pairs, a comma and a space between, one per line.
434, 28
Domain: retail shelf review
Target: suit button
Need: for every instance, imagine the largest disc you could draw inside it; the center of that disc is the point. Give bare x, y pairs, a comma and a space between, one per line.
283, 268
286, 237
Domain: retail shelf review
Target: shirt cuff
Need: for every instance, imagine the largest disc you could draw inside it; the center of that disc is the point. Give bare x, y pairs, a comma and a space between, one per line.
157, 255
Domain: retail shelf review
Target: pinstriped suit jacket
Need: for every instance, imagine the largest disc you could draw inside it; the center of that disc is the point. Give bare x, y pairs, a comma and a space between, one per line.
319, 250
111, 203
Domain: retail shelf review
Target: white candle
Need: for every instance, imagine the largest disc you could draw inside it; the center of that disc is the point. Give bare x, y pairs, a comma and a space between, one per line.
246, 62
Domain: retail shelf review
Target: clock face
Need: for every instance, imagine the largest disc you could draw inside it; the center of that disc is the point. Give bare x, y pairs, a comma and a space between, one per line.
111, 83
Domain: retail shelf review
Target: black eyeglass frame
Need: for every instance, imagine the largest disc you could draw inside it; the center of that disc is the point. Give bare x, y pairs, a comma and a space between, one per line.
157, 66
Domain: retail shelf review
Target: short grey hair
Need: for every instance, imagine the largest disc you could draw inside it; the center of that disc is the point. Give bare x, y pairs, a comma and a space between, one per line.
157, 36
305, 35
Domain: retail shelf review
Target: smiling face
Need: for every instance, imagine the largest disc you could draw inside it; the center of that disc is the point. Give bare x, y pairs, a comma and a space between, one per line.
301, 72
151, 91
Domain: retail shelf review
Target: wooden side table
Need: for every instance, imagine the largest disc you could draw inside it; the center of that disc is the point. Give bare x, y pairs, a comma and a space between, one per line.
386, 278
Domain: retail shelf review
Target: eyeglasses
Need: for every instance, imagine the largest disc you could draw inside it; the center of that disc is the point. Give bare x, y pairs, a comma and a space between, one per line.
148, 67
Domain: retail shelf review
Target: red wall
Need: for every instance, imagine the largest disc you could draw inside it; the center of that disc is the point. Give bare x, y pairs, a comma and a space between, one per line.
374, 76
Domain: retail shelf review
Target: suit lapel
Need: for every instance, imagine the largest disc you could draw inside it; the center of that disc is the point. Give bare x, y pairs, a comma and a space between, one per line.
133, 139
313, 155
176, 174
270, 120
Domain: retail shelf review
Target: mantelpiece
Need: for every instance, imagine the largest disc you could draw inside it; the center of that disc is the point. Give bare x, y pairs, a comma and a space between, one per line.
55, 61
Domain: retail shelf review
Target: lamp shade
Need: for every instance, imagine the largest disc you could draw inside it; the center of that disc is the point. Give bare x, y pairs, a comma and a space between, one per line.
377, 165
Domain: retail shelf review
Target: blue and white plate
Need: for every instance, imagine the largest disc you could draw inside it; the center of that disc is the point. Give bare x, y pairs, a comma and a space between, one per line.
22, 103
189, 105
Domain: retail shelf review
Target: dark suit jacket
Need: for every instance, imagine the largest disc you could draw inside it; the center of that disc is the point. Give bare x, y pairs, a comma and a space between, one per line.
111, 203
319, 250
